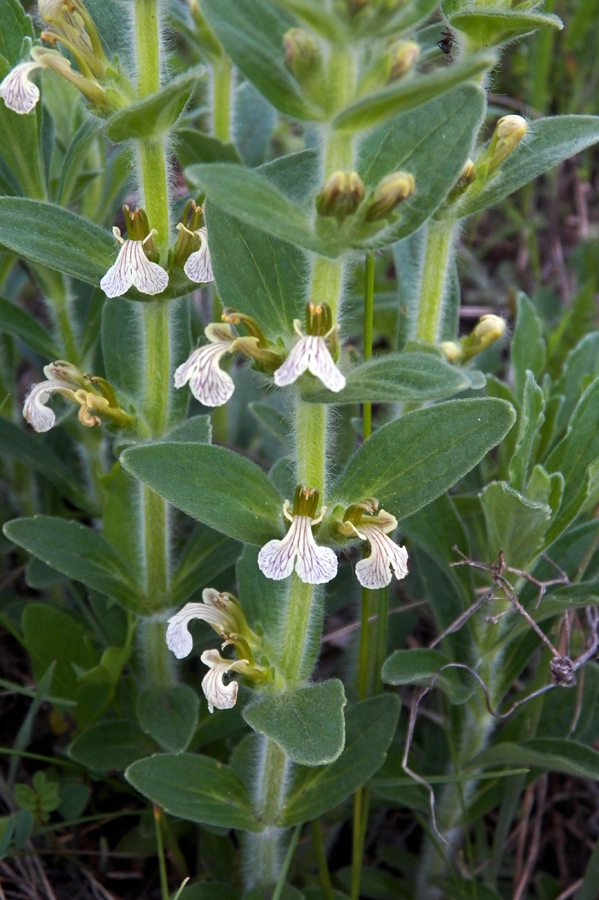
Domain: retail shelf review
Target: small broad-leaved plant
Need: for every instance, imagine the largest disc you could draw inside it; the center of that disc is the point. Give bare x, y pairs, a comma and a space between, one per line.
195, 215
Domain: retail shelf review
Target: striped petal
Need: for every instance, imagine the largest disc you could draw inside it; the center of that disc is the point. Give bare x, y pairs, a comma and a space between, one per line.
35, 410
217, 693
133, 268
178, 638
298, 550
207, 381
18, 93
198, 266
310, 354
375, 571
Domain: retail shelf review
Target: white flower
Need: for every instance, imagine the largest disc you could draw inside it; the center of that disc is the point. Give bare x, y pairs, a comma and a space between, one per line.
375, 571
18, 93
217, 609
198, 267
310, 353
35, 410
207, 381
299, 550
217, 693
132, 267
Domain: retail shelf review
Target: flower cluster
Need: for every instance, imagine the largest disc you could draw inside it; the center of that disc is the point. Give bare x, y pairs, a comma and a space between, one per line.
224, 614
212, 386
94, 396
135, 264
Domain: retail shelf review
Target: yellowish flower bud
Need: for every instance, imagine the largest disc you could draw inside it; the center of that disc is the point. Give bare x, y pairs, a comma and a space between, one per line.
403, 56
488, 330
509, 132
341, 195
452, 351
391, 191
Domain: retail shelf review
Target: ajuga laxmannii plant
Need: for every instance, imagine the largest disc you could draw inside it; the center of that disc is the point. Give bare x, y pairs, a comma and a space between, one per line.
203, 209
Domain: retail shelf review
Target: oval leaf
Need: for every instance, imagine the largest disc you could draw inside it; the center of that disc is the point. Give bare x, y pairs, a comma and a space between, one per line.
214, 485
196, 788
307, 724
411, 461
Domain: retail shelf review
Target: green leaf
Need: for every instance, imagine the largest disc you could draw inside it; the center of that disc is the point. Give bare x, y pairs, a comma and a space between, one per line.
206, 555
318, 19
251, 31
432, 142
169, 716
196, 788
582, 363
528, 346
530, 420
514, 524
78, 552
53, 636
195, 430
149, 118
110, 746
14, 26
370, 726
262, 599
274, 422
547, 143
405, 94
574, 457
420, 666
307, 724
393, 377
57, 238
254, 123
548, 754
415, 459
489, 27
214, 485
74, 159
256, 273
15, 320
248, 196
34, 451
546, 489
196, 147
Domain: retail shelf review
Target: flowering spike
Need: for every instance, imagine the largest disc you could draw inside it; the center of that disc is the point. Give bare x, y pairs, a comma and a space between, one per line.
207, 381
19, 94
132, 267
298, 550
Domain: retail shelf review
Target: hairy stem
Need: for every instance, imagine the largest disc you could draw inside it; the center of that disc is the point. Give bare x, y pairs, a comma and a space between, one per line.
433, 282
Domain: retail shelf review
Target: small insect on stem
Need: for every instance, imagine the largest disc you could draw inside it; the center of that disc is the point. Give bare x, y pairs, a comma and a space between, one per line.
446, 42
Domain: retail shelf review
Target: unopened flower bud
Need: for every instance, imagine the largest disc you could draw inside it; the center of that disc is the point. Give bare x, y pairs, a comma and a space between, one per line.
489, 329
403, 56
341, 195
301, 52
89, 87
391, 191
452, 351
509, 132
466, 177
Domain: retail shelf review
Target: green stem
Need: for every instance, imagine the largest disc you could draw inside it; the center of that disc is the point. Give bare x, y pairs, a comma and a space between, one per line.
263, 848
221, 128
156, 659
287, 862
54, 286
433, 282
160, 851
321, 860
221, 99
361, 798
